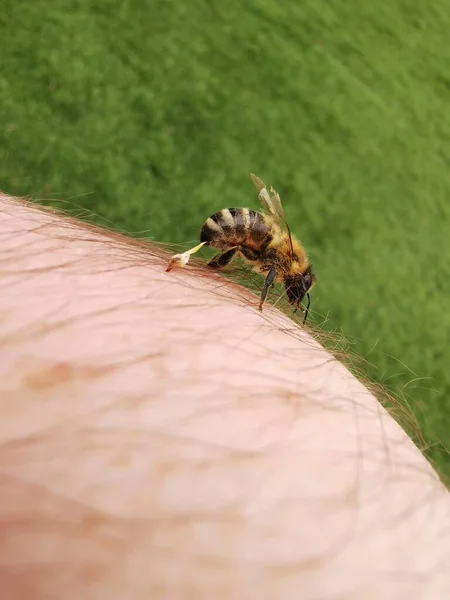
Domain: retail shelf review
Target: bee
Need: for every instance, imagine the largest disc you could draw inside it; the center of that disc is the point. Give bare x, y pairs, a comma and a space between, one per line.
264, 240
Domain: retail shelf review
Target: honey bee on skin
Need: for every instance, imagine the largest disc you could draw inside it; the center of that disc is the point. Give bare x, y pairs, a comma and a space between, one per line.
264, 240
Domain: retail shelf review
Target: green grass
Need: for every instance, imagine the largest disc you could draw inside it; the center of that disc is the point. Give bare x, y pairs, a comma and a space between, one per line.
152, 114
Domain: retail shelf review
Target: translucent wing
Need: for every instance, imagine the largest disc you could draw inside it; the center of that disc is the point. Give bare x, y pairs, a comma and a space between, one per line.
272, 204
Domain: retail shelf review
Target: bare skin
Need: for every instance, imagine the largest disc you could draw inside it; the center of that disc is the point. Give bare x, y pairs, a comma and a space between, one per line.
161, 438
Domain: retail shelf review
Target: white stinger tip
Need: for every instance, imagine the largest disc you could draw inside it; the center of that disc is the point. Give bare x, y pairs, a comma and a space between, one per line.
181, 260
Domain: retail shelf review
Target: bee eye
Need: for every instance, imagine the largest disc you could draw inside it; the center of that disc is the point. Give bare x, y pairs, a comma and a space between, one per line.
307, 280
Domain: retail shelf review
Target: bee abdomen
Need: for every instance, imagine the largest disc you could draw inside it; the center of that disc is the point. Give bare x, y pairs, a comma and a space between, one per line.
236, 227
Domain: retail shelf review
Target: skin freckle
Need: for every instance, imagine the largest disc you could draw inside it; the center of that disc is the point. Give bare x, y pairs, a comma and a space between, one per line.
120, 460
167, 468
45, 378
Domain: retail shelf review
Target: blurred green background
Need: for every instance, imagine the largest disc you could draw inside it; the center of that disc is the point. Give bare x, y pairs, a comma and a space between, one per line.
153, 113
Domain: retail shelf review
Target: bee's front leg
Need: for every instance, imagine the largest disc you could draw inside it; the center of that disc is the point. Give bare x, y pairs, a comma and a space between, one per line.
267, 284
299, 306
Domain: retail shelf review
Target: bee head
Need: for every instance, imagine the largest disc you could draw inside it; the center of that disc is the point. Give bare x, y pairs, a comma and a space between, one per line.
298, 286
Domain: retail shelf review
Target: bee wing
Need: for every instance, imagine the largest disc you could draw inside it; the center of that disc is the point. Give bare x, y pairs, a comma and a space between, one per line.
271, 203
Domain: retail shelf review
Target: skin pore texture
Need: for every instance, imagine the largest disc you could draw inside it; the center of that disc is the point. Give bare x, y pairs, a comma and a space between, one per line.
161, 438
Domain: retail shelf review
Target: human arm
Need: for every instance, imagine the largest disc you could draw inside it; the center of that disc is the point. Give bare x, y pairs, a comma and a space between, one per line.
161, 438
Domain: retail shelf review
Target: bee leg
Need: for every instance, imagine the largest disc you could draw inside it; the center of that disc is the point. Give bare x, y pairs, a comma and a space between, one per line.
221, 260
299, 306
267, 284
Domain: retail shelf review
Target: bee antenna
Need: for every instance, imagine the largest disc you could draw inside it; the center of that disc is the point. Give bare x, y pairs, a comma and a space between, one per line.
307, 307
290, 238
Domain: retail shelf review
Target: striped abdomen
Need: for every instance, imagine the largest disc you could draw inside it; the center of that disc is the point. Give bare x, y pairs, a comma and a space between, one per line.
237, 227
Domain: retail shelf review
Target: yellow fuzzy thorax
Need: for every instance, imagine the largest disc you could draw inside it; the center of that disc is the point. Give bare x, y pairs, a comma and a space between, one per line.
281, 243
